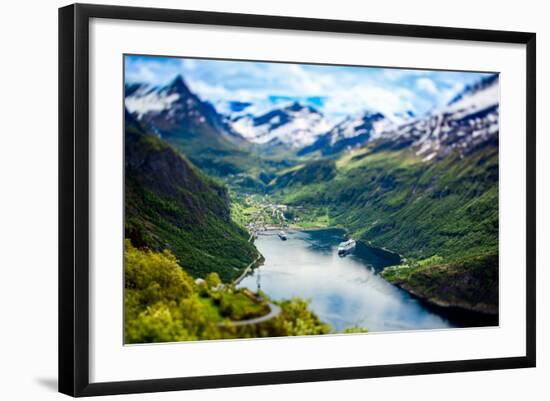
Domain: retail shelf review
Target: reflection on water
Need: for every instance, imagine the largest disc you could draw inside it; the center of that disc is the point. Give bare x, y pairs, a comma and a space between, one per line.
344, 291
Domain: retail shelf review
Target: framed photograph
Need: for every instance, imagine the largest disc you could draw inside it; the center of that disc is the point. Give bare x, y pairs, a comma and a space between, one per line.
250, 199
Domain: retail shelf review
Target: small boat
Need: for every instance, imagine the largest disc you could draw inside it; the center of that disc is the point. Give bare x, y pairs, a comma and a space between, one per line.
346, 247
282, 235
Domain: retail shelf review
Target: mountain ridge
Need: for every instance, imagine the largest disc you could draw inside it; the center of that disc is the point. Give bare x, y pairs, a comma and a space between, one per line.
469, 121
177, 115
293, 126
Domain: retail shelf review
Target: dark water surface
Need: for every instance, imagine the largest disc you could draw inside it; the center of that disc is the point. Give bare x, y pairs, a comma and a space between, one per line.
344, 291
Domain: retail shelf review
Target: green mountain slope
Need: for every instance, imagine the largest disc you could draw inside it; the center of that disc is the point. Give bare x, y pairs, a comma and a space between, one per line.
442, 216
470, 283
448, 207
172, 205
312, 172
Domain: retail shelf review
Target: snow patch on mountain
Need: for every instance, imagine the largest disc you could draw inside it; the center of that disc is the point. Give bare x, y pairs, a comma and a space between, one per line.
469, 121
472, 102
355, 131
367, 123
167, 109
293, 126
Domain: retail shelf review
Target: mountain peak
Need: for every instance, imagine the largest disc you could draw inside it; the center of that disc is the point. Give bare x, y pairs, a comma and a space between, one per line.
178, 85
297, 107
469, 90
373, 116
294, 125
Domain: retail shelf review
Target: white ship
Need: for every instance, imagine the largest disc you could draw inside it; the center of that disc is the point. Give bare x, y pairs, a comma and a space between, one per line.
282, 235
346, 247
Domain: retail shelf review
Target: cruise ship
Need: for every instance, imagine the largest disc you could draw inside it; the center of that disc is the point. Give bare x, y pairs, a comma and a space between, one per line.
346, 247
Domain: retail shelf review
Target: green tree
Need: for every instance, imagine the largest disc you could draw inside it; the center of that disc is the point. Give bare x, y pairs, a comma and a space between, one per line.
163, 303
213, 280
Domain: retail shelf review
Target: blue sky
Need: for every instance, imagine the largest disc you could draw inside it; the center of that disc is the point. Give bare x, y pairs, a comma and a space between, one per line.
335, 90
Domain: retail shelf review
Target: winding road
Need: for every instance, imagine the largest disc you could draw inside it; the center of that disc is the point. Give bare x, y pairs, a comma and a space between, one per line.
247, 270
274, 311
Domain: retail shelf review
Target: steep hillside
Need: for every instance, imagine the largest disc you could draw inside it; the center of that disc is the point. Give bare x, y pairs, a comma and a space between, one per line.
442, 214
424, 187
395, 200
171, 205
469, 283
312, 172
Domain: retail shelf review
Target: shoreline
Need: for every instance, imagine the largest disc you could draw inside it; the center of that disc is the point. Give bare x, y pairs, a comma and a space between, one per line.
249, 269
369, 244
484, 309
441, 307
458, 314
362, 241
461, 315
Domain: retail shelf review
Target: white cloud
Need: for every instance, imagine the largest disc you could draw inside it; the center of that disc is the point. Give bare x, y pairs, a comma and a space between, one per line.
343, 96
451, 92
345, 90
219, 92
395, 74
152, 72
369, 97
188, 64
426, 85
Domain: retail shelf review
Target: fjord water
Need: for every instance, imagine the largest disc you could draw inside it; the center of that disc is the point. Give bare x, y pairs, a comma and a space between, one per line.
344, 291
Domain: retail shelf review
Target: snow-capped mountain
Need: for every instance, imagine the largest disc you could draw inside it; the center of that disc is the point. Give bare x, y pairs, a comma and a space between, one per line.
364, 124
173, 108
487, 85
351, 132
470, 120
467, 122
293, 126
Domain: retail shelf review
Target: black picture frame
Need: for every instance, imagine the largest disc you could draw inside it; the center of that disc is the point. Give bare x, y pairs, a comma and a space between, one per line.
74, 198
